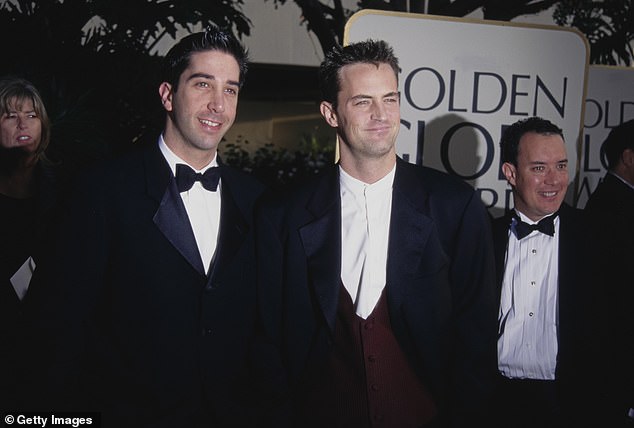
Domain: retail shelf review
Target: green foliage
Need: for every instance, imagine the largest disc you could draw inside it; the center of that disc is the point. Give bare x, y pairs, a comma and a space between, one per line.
278, 166
608, 25
94, 63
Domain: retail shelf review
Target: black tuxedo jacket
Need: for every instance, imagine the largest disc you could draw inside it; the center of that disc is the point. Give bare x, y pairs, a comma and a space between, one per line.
580, 307
133, 327
439, 286
611, 209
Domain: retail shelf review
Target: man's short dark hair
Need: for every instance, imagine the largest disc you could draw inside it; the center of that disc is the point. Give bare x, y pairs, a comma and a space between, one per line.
618, 140
212, 39
370, 52
511, 136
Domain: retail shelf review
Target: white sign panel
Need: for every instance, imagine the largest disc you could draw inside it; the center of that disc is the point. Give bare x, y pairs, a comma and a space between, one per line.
463, 80
609, 102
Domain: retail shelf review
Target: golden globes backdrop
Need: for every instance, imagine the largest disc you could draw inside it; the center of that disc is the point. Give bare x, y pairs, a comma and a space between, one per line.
609, 102
462, 81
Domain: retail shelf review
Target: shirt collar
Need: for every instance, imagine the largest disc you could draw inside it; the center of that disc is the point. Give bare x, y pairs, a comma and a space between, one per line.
357, 187
527, 220
622, 179
173, 159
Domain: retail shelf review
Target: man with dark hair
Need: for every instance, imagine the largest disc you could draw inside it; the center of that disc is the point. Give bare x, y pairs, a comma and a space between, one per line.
375, 278
149, 306
611, 211
544, 331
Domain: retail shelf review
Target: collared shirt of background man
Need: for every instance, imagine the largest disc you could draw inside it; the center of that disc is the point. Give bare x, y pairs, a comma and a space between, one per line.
546, 333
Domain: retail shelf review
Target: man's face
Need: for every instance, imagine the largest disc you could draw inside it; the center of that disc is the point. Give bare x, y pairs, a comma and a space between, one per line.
368, 116
540, 179
204, 107
20, 127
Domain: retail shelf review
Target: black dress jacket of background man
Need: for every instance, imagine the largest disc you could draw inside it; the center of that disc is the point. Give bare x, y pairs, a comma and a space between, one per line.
133, 326
439, 285
611, 211
580, 323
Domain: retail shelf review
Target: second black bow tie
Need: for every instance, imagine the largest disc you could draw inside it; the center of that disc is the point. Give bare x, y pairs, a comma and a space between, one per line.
545, 225
186, 177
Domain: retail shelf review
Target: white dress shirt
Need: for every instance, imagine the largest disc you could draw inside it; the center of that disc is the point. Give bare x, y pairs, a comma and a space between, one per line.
528, 317
365, 225
202, 206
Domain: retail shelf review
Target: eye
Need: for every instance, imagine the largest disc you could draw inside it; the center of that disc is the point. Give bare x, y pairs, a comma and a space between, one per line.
202, 84
539, 168
361, 102
231, 91
562, 166
32, 115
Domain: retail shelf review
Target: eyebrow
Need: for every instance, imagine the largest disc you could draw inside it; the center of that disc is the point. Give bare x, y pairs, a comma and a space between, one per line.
211, 77
544, 163
363, 96
15, 110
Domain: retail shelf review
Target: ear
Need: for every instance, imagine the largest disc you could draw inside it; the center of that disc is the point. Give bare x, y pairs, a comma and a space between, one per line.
627, 157
509, 171
165, 91
328, 112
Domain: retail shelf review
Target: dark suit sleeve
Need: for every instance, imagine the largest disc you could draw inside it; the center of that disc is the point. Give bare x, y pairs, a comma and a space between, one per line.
472, 275
272, 377
63, 299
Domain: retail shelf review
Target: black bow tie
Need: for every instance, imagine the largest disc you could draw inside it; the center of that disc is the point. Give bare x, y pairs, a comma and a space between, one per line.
545, 225
186, 177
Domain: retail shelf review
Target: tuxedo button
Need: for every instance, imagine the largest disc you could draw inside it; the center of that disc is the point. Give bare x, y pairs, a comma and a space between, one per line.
206, 331
208, 288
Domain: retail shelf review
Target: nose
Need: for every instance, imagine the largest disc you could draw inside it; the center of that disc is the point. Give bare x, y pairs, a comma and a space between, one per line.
21, 123
378, 112
552, 176
216, 103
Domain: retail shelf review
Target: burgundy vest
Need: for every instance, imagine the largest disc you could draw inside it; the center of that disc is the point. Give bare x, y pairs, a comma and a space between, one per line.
366, 380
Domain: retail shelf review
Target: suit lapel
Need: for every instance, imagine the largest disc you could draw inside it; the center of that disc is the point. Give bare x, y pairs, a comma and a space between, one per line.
171, 216
500, 229
321, 238
410, 230
570, 247
232, 231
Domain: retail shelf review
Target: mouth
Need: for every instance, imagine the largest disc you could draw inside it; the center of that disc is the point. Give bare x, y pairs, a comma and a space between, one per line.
210, 123
23, 138
549, 195
380, 131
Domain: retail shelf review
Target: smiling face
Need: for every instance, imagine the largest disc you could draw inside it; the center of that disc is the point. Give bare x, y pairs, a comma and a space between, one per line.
20, 126
367, 116
203, 108
540, 179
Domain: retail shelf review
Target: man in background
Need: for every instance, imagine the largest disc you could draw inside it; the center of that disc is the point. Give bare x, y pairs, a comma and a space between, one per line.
546, 330
611, 211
